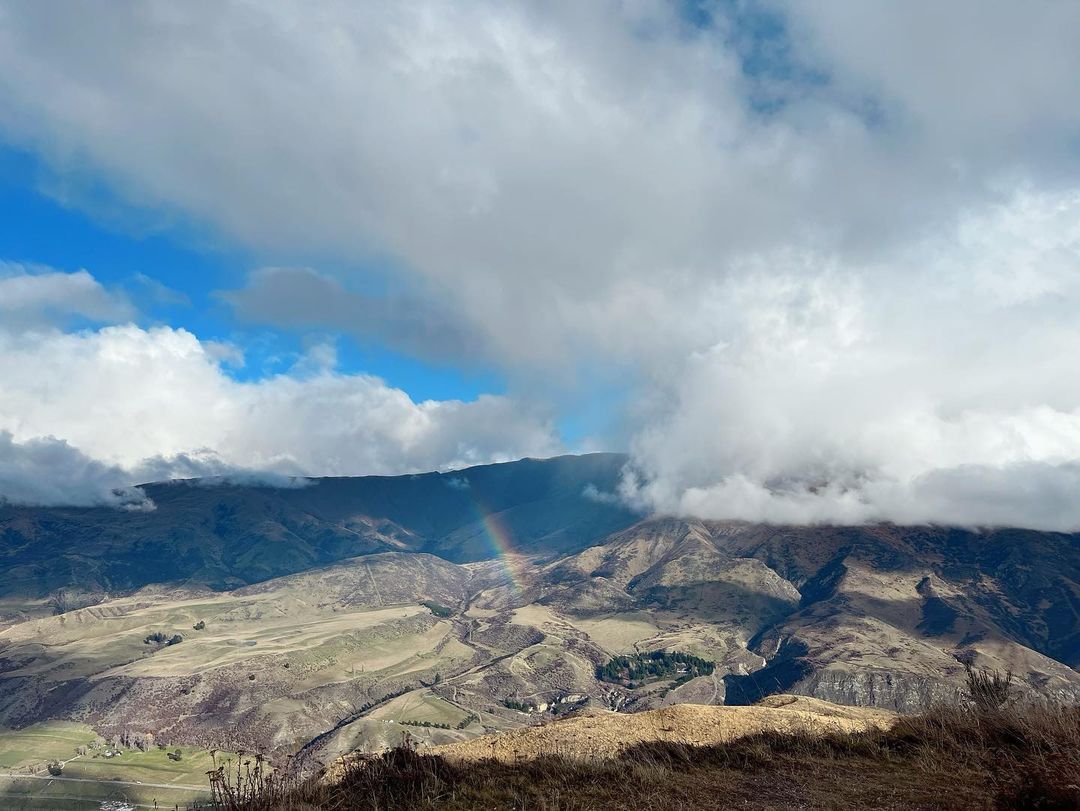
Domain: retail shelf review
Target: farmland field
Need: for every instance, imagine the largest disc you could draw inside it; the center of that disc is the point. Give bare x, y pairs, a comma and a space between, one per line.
420, 707
36, 745
139, 778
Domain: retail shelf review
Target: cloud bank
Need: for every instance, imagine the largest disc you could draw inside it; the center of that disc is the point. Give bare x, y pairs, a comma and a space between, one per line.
832, 250
941, 388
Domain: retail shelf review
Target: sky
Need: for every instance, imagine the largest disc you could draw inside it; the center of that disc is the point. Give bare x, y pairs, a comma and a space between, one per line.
804, 262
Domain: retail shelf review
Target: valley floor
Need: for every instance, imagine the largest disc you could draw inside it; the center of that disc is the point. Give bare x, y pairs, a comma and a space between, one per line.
134, 778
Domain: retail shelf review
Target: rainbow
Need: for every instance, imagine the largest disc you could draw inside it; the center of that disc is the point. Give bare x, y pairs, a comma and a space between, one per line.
501, 542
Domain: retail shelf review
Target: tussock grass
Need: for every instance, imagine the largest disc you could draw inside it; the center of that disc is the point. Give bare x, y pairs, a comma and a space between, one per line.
1014, 755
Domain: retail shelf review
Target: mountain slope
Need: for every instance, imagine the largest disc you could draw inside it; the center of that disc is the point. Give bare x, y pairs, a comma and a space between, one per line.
227, 535
339, 614
879, 615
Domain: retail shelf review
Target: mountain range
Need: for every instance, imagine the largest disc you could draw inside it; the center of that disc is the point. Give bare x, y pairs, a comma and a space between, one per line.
335, 614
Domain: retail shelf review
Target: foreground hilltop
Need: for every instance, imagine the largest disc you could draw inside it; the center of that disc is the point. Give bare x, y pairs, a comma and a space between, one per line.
975, 755
600, 733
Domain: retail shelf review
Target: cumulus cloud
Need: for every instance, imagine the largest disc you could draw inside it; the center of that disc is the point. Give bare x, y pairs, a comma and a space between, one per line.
837, 268
33, 297
135, 405
86, 414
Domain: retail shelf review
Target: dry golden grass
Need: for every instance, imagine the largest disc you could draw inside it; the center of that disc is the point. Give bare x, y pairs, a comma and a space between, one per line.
1009, 757
600, 734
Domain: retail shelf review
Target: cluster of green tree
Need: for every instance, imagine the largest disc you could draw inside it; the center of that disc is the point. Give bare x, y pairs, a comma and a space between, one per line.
158, 638
468, 719
437, 609
177, 755
641, 668
431, 724
200, 625
520, 706
129, 739
369, 705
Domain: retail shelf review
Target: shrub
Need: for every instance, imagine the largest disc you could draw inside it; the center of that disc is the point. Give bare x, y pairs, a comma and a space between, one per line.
160, 638
988, 689
437, 609
428, 724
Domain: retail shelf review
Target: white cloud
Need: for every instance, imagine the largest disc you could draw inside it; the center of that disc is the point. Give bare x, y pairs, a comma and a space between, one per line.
46, 471
975, 83
855, 304
522, 170
32, 297
139, 405
897, 392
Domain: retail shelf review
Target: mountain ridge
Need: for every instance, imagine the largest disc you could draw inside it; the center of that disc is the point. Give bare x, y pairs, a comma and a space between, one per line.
226, 535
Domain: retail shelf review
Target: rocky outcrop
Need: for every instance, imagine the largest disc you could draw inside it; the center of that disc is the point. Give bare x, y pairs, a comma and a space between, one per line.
902, 692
